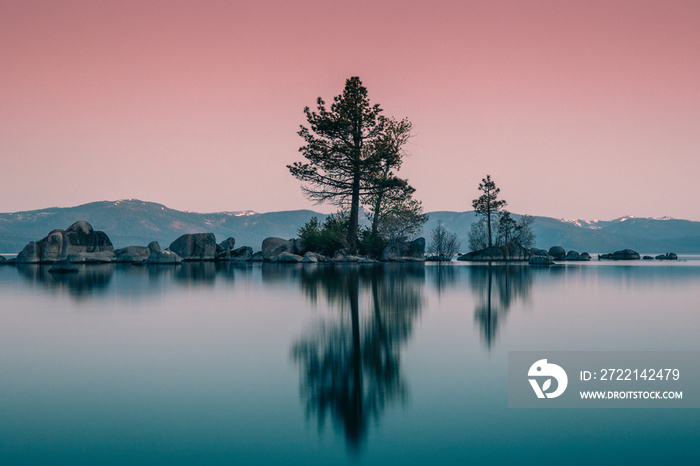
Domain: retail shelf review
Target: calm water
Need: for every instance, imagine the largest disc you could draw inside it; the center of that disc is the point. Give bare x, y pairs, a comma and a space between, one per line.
319, 364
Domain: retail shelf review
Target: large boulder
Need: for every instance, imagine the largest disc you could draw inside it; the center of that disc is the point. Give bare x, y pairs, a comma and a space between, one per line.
288, 257
244, 253
625, 255
133, 254
99, 257
557, 252
223, 249
572, 256
195, 247
272, 247
158, 256
407, 250
79, 238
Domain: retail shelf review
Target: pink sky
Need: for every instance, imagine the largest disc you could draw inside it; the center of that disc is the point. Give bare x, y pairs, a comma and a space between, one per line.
576, 109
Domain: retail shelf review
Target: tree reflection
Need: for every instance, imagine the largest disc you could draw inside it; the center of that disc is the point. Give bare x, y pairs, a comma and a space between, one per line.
350, 362
497, 288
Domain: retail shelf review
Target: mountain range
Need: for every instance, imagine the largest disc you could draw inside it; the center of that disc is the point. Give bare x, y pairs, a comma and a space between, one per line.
135, 222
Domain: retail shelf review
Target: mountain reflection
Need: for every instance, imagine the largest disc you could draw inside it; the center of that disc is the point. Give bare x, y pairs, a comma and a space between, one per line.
497, 288
350, 361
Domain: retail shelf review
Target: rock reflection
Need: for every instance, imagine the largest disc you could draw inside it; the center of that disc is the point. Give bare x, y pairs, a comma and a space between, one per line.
350, 362
91, 280
497, 288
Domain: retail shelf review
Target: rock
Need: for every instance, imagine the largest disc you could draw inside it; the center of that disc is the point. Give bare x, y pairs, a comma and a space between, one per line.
244, 253
298, 245
158, 256
557, 252
257, 257
195, 247
510, 252
605, 256
133, 254
625, 255
3, 260
223, 249
309, 257
539, 252
649, 258
667, 257
572, 256
273, 247
63, 267
288, 257
540, 260
77, 239
584, 256
414, 250
99, 257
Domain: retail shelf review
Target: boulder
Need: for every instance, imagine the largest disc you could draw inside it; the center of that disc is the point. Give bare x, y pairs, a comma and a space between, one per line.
625, 255
223, 249
273, 247
540, 260
557, 252
298, 245
539, 252
572, 256
309, 257
77, 239
158, 256
257, 257
63, 267
584, 256
3, 260
99, 257
288, 257
607, 256
667, 257
195, 247
648, 258
412, 250
133, 254
244, 253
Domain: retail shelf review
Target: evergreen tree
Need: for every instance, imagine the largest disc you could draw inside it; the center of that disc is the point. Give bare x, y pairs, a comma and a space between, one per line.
342, 164
488, 205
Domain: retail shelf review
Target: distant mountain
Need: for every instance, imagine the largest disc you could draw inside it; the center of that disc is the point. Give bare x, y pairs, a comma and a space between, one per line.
134, 222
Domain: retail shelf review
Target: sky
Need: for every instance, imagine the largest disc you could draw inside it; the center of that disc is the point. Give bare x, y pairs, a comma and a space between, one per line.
576, 109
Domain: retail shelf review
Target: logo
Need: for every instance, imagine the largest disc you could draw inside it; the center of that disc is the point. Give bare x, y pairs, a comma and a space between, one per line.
542, 369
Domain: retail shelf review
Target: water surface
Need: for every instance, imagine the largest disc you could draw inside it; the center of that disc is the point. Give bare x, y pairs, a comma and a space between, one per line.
328, 364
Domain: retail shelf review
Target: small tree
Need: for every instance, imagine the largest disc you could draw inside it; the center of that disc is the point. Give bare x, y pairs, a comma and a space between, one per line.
523, 232
478, 236
506, 229
444, 245
512, 231
327, 238
488, 206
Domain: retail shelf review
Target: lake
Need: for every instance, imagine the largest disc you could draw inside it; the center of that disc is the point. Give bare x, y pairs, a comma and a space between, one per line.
222, 363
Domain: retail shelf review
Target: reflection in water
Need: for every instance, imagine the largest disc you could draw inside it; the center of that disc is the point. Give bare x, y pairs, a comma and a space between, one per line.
90, 280
350, 364
496, 289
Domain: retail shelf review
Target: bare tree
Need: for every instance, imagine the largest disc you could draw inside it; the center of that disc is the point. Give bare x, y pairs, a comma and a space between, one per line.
444, 245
